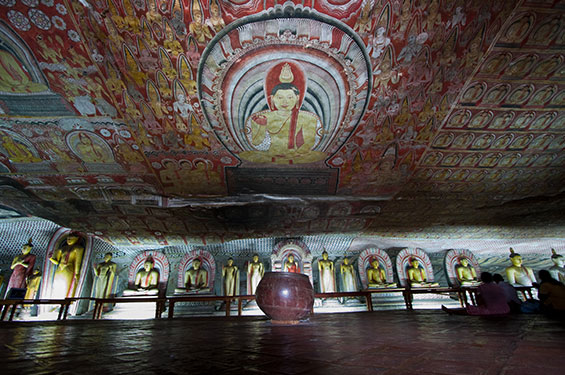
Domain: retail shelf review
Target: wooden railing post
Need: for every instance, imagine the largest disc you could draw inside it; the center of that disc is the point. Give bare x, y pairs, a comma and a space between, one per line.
13, 312
369, 297
171, 308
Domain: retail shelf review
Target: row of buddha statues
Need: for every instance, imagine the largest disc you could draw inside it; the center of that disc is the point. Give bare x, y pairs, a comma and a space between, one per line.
66, 260
196, 278
198, 273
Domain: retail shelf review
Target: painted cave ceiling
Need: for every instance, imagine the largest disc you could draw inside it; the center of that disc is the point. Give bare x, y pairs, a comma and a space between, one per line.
173, 121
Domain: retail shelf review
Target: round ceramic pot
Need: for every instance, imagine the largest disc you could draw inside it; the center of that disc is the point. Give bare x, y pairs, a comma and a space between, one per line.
285, 297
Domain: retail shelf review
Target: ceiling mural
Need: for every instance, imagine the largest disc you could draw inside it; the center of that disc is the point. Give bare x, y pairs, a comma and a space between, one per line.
172, 122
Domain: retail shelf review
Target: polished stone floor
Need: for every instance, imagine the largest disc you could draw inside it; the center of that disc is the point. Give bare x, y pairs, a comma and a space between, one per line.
386, 342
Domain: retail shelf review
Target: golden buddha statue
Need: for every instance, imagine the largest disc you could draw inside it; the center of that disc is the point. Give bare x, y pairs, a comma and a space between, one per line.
68, 262
327, 277
255, 272
230, 275
417, 275
518, 274
146, 281
283, 134
348, 276
196, 278
291, 265
32, 284
557, 271
376, 276
466, 274
105, 273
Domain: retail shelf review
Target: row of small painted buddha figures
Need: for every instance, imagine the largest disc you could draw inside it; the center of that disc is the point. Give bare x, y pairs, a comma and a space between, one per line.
196, 278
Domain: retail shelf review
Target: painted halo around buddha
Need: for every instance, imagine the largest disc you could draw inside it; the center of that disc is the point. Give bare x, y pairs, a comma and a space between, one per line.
364, 263
160, 263
320, 63
403, 259
452, 261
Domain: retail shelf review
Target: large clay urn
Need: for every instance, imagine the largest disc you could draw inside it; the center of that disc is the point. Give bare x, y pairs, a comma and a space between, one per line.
285, 297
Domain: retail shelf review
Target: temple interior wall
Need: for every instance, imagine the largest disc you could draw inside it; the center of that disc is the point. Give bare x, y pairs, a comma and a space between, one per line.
535, 252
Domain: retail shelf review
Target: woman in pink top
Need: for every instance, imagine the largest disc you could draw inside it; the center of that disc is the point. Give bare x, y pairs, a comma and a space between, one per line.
491, 300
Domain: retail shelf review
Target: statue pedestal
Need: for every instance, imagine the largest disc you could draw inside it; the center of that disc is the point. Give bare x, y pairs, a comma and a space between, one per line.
133, 311
470, 284
185, 292
424, 285
140, 293
285, 297
388, 300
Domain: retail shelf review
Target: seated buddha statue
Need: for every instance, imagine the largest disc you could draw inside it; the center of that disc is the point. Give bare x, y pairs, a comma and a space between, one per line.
417, 276
376, 276
32, 284
196, 278
146, 281
518, 274
466, 274
291, 265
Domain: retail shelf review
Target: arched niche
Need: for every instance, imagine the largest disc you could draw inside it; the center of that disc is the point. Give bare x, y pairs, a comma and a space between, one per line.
364, 262
301, 254
403, 263
77, 288
160, 263
207, 262
452, 262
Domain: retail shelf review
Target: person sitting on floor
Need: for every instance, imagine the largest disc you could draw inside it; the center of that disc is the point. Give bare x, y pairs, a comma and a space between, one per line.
511, 295
551, 294
491, 300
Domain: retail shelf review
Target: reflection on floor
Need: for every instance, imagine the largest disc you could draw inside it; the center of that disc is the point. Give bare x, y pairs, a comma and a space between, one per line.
386, 342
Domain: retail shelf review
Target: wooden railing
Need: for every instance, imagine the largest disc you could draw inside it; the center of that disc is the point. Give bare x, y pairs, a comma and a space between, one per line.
100, 302
161, 303
409, 294
14, 303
